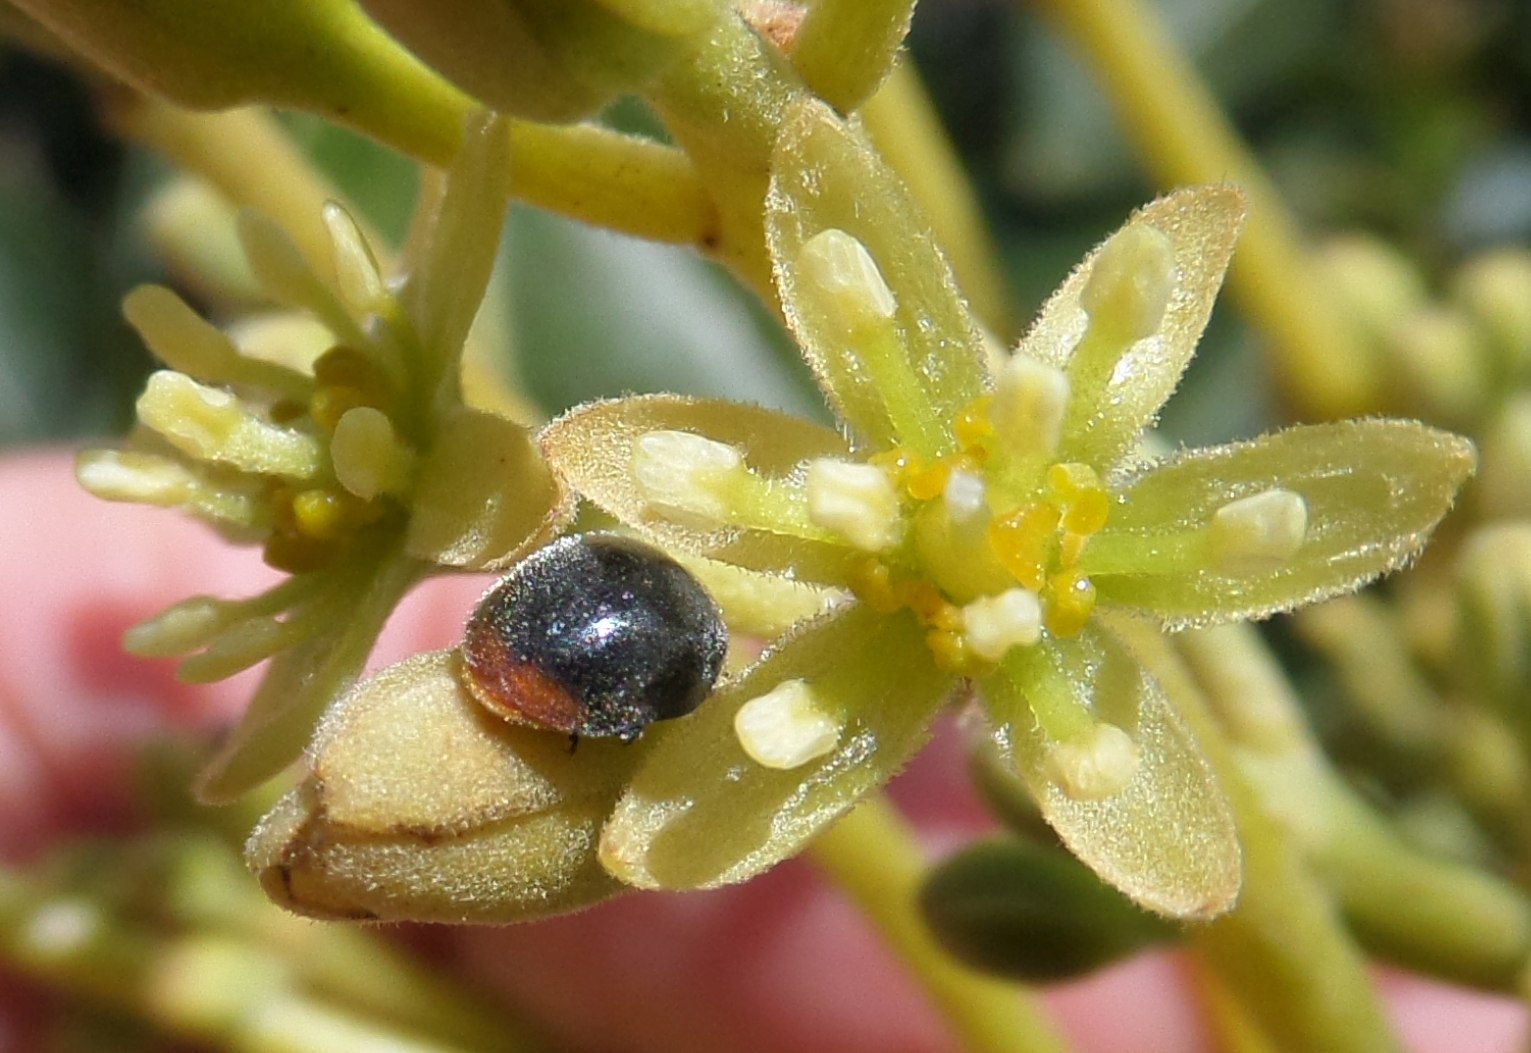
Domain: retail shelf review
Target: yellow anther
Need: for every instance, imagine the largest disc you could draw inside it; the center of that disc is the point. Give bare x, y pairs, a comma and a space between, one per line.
1086, 512
973, 429
923, 598
1023, 542
328, 514
330, 402
948, 617
1067, 481
950, 651
1070, 548
873, 585
925, 483
1067, 602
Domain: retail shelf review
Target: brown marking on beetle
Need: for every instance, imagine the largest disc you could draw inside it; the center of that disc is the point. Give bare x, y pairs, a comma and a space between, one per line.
514, 689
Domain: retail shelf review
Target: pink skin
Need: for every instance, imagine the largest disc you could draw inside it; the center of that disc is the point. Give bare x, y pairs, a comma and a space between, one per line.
779, 964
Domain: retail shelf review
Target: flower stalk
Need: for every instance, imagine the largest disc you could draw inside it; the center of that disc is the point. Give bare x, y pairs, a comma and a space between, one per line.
871, 855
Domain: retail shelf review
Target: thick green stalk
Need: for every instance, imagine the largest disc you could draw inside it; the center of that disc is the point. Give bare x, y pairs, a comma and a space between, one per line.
1282, 951
724, 104
872, 856
1430, 913
907, 131
1183, 137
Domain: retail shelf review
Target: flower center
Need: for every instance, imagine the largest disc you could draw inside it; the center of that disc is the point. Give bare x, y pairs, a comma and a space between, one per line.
993, 571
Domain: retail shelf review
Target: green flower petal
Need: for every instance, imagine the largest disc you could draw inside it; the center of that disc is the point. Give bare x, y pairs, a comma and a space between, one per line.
448, 263
700, 812
591, 446
1167, 839
1373, 490
301, 681
759, 604
485, 497
1104, 420
825, 177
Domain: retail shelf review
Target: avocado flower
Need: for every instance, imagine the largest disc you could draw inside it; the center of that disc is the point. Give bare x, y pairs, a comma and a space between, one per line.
333, 433
980, 523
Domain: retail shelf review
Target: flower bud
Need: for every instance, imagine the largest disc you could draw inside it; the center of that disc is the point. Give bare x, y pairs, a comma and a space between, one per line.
1494, 638
321, 56
547, 60
1495, 290
420, 806
1027, 912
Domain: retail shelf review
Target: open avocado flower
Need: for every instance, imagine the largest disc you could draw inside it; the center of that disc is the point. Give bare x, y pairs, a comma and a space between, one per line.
335, 435
983, 520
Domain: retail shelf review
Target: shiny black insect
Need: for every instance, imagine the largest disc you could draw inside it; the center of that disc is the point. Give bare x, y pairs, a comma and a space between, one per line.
594, 635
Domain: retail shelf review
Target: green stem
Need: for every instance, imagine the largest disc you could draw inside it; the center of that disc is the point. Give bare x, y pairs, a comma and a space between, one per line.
1183, 137
209, 989
907, 132
724, 105
1429, 913
1282, 952
301, 682
872, 856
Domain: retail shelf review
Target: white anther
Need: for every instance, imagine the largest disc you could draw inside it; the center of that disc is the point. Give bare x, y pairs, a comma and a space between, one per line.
784, 728
966, 499
683, 475
847, 281
1258, 532
994, 624
1095, 766
1131, 282
1030, 401
856, 501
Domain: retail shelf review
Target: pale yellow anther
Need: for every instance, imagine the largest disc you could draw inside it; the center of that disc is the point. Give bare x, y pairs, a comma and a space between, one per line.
994, 624
856, 501
686, 475
785, 728
1131, 282
368, 456
1097, 765
1030, 401
847, 280
1258, 532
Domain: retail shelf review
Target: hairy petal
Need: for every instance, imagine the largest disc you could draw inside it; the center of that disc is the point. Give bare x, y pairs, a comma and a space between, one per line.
825, 177
1202, 224
381, 828
591, 446
1167, 838
700, 812
1373, 491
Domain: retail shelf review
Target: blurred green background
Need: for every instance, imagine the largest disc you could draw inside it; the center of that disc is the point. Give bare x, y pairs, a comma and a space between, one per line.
1406, 118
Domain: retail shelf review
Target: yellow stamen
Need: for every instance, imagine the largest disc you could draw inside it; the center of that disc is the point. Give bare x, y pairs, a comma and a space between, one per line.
950, 651
973, 430
1067, 602
1022, 541
925, 483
